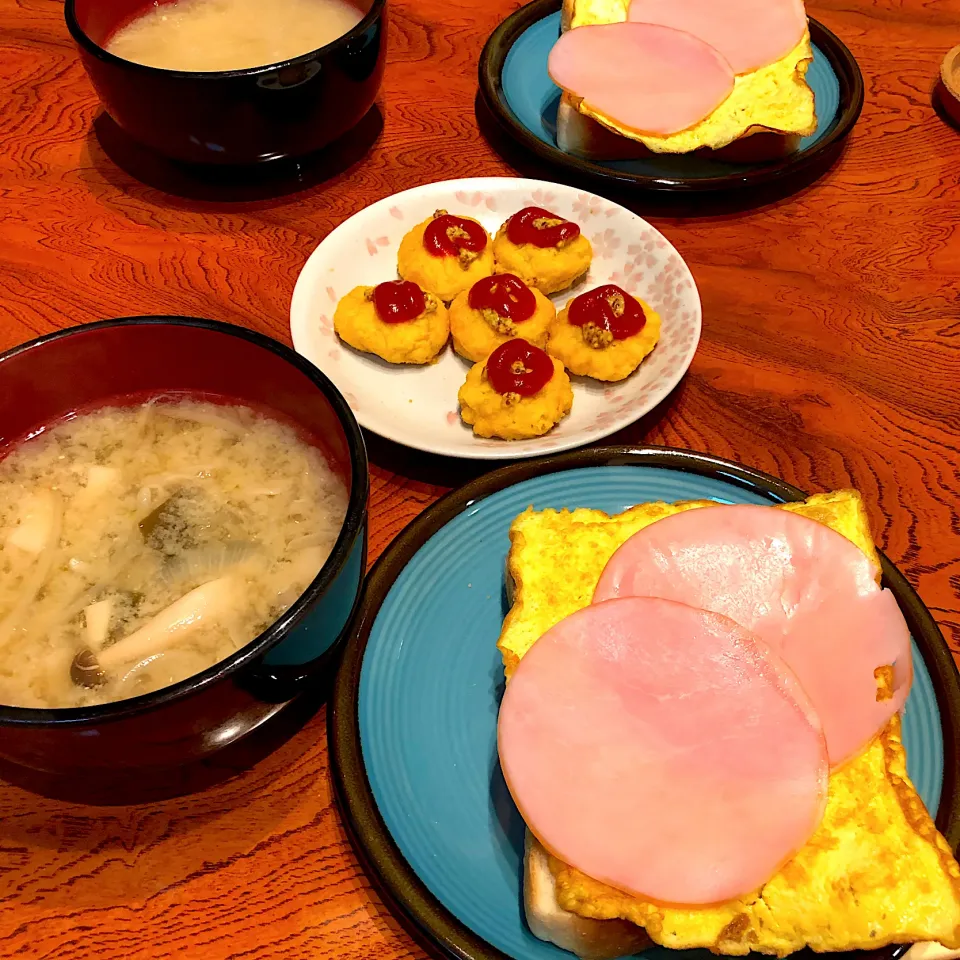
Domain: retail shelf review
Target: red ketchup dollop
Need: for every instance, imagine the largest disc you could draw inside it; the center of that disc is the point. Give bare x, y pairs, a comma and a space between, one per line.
398, 301
519, 367
506, 295
529, 226
608, 308
447, 235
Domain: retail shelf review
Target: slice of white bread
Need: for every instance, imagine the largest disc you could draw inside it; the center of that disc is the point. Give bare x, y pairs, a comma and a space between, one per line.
931, 951
588, 939
582, 136
876, 872
766, 114
611, 939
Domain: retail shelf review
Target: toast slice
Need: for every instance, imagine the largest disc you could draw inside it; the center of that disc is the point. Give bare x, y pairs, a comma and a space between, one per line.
585, 137
588, 939
762, 119
875, 872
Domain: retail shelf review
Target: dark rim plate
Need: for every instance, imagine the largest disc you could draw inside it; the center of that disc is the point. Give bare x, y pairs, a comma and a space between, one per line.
431, 924
494, 56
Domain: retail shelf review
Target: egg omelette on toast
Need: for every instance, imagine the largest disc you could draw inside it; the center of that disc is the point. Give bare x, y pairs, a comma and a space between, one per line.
875, 872
774, 99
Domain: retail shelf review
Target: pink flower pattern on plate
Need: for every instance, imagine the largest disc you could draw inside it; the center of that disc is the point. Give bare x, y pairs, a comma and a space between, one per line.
373, 245
605, 420
541, 198
586, 206
630, 277
643, 255
605, 244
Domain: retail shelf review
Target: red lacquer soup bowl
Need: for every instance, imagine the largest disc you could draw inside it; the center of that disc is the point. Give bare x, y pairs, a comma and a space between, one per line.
102, 364
278, 110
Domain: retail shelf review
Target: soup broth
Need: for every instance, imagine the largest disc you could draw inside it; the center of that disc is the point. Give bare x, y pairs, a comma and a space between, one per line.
210, 35
141, 545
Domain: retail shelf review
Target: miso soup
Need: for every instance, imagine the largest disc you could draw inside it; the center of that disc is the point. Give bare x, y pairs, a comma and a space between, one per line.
141, 545
210, 35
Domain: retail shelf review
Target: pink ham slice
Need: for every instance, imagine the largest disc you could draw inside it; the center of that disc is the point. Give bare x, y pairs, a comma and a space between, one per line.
648, 78
749, 34
805, 590
662, 750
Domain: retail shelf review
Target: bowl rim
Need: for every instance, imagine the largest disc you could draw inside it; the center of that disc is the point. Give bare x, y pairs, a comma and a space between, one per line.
950, 71
83, 40
420, 912
353, 526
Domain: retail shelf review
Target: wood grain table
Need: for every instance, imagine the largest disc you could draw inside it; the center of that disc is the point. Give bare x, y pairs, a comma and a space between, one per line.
830, 357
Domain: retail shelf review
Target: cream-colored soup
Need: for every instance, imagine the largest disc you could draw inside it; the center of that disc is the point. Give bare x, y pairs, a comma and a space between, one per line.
139, 546
207, 35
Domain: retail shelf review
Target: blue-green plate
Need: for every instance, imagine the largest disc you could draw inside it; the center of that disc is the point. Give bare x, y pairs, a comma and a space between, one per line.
522, 98
413, 733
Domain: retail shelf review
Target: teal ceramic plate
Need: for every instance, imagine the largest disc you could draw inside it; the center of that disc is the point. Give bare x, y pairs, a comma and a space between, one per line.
520, 95
413, 733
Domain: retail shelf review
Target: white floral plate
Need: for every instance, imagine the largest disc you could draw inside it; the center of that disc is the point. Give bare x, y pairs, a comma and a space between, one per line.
417, 405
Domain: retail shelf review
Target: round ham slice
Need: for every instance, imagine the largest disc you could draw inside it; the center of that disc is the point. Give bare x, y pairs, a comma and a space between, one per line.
663, 750
749, 34
648, 78
804, 589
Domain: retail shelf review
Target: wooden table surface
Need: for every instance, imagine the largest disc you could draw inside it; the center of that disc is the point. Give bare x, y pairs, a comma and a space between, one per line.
829, 358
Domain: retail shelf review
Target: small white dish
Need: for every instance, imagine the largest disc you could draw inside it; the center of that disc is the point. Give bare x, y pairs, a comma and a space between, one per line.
417, 405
